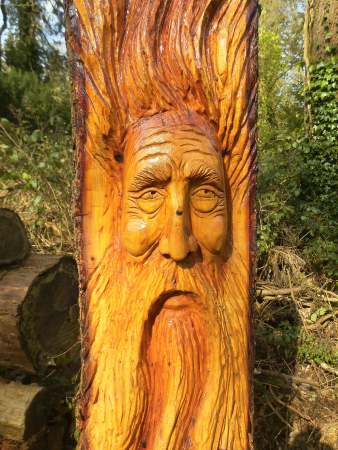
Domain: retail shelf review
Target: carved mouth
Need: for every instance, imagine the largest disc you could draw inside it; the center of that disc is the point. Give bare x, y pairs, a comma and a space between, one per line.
176, 300
179, 302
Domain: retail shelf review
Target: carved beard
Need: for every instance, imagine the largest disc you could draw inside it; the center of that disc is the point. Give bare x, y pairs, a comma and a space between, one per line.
152, 345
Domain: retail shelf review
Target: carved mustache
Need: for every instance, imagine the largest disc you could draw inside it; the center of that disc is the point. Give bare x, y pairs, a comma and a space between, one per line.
165, 277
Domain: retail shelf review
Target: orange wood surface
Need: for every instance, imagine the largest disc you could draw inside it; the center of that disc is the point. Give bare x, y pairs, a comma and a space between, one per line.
164, 115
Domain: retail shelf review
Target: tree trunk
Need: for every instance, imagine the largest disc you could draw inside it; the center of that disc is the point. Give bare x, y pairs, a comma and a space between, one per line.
39, 319
320, 153
164, 117
25, 53
3, 27
14, 244
320, 31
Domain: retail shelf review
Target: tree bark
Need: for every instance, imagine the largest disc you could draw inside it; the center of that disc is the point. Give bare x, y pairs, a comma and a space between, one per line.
39, 319
164, 118
14, 244
320, 30
320, 153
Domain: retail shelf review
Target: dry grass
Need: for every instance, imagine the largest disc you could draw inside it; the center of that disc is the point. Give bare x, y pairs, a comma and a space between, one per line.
52, 233
36, 180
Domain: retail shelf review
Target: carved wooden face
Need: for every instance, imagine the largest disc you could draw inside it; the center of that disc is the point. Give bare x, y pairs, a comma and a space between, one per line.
174, 195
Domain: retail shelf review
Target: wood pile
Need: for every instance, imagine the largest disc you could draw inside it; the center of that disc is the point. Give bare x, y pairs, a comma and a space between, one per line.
14, 244
39, 341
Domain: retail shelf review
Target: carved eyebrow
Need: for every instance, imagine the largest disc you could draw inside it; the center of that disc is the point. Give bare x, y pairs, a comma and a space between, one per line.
157, 175
208, 175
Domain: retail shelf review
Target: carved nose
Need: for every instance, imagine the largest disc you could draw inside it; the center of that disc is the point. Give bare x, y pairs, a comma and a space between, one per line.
178, 242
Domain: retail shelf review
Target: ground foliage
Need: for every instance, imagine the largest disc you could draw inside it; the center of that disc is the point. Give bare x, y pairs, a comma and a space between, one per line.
297, 185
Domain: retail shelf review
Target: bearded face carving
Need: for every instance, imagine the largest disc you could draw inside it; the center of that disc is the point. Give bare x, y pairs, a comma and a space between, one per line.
170, 277
173, 286
174, 192
165, 220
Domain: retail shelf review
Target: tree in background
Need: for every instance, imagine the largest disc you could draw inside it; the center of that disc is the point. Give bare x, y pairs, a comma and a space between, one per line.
281, 77
320, 31
32, 89
33, 33
23, 47
280, 120
298, 158
35, 138
319, 183
3, 28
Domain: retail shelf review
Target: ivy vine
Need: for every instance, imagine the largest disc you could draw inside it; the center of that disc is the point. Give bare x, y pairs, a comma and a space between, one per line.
320, 165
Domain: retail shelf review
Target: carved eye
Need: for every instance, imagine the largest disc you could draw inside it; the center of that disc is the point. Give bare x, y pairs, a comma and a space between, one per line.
150, 201
204, 200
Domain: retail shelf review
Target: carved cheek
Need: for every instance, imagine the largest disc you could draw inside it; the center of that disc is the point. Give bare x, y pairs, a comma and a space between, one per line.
210, 232
140, 234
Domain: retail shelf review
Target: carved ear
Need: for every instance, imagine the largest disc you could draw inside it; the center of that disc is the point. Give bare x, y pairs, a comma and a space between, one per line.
146, 56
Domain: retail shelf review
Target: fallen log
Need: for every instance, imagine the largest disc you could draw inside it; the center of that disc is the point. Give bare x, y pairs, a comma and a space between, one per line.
22, 410
39, 318
14, 244
29, 417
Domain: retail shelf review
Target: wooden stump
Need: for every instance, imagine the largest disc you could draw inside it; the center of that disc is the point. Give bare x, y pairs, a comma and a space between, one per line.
14, 244
39, 317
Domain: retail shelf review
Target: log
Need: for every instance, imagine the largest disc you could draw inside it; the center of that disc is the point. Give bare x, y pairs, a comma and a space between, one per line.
14, 244
39, 317
30, 417
164, 114
23, 410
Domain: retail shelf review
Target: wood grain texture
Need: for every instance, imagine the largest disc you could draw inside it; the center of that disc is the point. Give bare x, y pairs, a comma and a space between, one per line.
20, 415
167, 345
39, 317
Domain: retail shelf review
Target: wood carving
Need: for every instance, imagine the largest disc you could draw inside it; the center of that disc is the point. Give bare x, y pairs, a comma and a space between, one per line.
164, 98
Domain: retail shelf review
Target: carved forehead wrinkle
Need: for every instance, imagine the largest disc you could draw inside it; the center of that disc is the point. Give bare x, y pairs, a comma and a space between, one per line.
140, 144
140, 150
172, 140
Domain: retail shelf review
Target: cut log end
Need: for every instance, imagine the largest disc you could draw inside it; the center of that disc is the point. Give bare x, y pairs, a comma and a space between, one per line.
39, 330
49, 321
31, 417
14, 244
